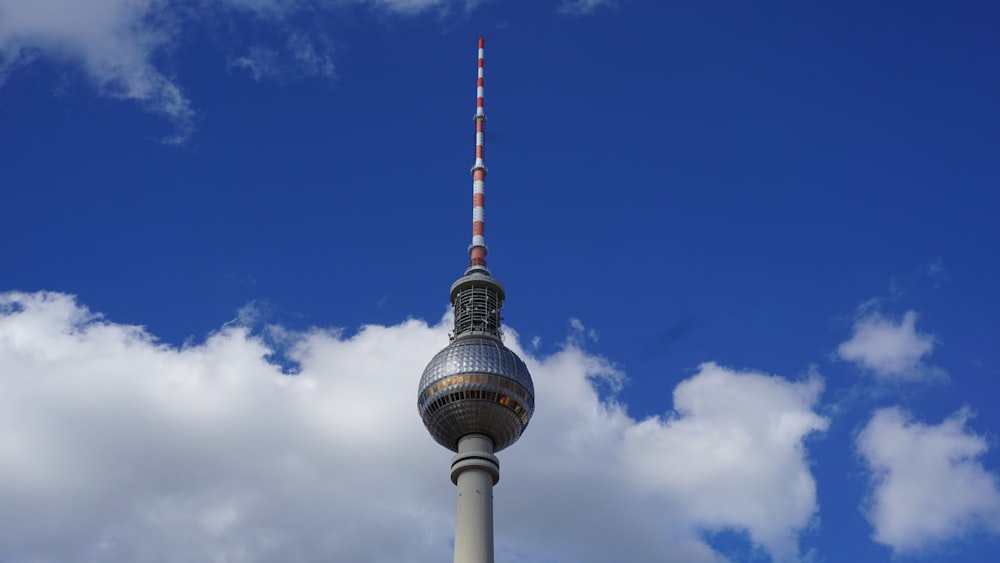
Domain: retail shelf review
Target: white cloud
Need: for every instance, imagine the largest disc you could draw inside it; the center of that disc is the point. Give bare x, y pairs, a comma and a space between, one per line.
112, 41
118, 448
583, 7
303, 55
411, 6
733, 456
119, 45
580, 332
890, 350
260, 62
928, 486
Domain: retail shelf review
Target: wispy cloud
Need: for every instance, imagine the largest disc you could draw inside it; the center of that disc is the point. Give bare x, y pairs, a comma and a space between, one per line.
120, 45
891, 350
123, 47
927, 484
584, 7
212, 452
112, 41
580, 333
302, 56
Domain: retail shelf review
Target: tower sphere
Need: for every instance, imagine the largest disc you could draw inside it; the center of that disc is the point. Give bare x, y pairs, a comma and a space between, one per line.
476, 385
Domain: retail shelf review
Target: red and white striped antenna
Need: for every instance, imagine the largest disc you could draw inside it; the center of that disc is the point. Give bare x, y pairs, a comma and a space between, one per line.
477, 250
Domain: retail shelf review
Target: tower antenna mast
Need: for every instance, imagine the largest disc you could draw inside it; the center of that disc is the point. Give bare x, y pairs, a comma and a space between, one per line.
478, 250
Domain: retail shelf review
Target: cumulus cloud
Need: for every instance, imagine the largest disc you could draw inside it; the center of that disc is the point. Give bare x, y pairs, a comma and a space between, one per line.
890, 350
927, 485
115, 447
733, 455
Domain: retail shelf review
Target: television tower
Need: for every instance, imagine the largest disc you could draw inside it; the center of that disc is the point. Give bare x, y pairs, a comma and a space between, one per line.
476, 396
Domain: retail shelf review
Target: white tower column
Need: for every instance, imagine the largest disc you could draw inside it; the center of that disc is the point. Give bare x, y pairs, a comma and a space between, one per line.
474, 470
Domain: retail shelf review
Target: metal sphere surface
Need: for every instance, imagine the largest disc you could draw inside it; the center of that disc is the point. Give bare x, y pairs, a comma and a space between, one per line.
476, 385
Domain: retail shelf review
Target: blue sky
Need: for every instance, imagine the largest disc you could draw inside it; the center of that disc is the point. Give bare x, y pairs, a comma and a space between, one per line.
750, 251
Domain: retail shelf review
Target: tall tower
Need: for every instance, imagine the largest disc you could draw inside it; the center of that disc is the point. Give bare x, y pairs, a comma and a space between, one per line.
476, 396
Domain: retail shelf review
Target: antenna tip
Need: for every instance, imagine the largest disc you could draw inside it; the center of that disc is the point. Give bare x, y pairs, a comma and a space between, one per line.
481, 42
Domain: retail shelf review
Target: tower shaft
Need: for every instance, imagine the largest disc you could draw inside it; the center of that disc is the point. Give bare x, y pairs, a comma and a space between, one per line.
474, 471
